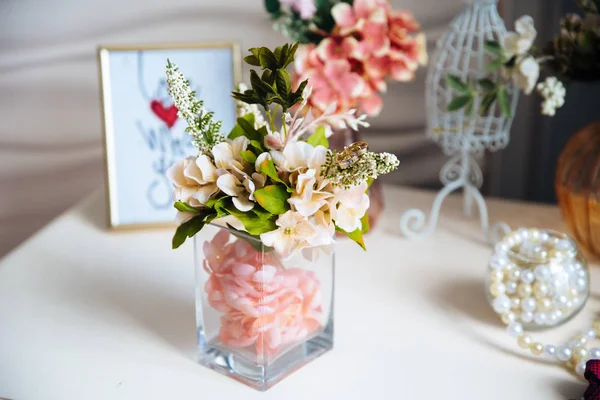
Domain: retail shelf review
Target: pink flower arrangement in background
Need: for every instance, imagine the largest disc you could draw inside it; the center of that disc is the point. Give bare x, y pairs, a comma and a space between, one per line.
263, 305
369, 43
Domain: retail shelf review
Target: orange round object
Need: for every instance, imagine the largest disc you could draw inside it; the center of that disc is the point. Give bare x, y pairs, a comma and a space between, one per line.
578, 187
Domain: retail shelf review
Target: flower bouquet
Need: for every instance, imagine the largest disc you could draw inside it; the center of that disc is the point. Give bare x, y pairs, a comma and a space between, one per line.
349, 49
269, 199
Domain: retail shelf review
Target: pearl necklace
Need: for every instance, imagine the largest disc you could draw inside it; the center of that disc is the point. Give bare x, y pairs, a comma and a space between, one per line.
574, 353
537, 278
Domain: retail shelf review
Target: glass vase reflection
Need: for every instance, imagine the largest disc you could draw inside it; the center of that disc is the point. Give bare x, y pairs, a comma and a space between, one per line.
260, 317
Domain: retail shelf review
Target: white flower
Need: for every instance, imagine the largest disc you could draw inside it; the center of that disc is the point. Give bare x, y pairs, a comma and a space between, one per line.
227, 154
194, 180
526, 73
352, 205
292, 235
308, 196
242, 191
324, 236
548, 108
519, 42
244, 109
553, 92
299, 155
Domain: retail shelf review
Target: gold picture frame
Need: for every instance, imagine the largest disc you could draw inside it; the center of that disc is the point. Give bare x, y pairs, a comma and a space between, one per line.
114, 218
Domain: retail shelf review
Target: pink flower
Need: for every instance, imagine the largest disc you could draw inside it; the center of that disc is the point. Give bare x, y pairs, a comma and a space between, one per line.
351, 18
306, 59
375, 71
262, 304
296, 316
371, 102
334, 48
306, 8
375, 42
333, 83
402, 20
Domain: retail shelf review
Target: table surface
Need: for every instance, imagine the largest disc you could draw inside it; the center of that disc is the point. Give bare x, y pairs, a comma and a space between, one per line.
90, 314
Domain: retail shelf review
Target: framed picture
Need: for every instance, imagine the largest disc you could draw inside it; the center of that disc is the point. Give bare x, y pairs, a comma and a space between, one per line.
143, 134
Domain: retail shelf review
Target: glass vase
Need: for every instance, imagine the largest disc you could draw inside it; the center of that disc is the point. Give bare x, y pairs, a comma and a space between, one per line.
538, 278
260, 317
578, 187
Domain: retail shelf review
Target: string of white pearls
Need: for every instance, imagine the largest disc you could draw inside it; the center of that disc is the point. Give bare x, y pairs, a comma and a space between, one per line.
538, 279
574, 353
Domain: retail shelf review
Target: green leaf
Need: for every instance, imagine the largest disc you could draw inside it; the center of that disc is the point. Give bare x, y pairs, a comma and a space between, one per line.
469, 108
272, 6
456, 83
504, 101
259, 86
356, 236
318, 138
494, 65
494, 47
284, 82
487, 102
249, 97
268, 77
267, 58
290, 55
247, 126
248, 156
252, 60
277, 53
216, 204
254, 51
253, 240
188, 229
185, 207
273, 198
459, 102
237, 130
261, 213
257, 146
252, 222
300, 89
267, 167
487, 84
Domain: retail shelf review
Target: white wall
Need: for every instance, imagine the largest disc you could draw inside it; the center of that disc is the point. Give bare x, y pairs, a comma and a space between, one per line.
50, 130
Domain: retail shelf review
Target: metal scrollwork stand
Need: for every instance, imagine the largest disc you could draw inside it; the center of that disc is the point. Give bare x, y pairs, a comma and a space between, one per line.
461, 52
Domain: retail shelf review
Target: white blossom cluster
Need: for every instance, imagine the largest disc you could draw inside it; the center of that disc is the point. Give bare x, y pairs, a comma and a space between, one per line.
368, 167
553, 91
181, 93
386, 163
201, 125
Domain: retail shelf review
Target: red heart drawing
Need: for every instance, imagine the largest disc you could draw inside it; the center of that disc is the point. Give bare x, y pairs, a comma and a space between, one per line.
167, 115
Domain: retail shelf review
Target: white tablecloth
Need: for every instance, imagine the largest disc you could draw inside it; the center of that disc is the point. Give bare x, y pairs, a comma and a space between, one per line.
90, 314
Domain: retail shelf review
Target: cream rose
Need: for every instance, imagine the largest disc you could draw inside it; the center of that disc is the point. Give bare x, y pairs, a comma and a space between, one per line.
194, 179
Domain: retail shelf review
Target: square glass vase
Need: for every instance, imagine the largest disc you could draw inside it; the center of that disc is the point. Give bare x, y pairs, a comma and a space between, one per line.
260, 317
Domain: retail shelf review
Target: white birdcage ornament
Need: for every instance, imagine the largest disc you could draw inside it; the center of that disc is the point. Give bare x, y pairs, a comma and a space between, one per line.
463, 136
